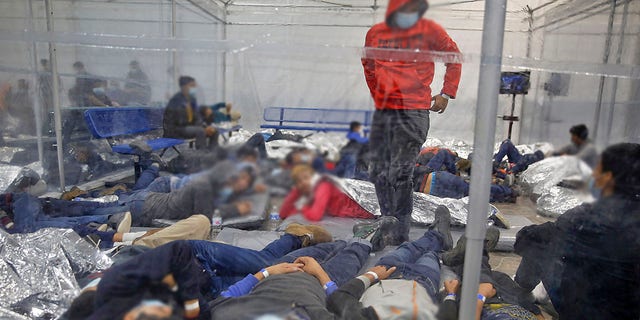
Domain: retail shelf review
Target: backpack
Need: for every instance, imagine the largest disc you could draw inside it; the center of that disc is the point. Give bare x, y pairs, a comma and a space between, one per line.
400, 299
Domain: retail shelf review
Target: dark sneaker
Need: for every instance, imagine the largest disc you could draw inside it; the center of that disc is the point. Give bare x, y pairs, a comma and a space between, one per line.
120, 222
73, 193
455, 257
374, 231
442, 224
309, 234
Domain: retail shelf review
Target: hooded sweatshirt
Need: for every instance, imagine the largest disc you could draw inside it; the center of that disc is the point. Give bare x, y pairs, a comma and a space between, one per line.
406, 84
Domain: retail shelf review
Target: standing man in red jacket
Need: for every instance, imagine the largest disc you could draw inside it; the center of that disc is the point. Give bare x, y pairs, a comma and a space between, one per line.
402, 95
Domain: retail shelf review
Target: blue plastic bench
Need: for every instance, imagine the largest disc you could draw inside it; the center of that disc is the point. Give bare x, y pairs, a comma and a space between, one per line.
315, 119
109, 123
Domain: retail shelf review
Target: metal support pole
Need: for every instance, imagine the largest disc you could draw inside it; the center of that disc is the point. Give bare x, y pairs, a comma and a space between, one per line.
224, 55
57, 115
37, 101
485, 126
174, 53
605, 59
614, 85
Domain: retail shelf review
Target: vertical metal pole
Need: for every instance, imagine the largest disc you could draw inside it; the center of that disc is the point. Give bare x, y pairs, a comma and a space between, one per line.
485, 126
37, 103
605, 59
57, 116
614, 85
224, 55
174, 54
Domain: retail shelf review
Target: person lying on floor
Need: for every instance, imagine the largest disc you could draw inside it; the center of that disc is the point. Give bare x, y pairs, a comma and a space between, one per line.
196, 227
592, 252
503, 298
325, 267
520, 162
411, 291
24, 213
182, 276
433, 159
446, 185
315, 196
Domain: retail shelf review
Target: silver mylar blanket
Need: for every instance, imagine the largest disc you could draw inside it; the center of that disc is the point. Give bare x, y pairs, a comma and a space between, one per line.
541, 179
37, 271
424, 205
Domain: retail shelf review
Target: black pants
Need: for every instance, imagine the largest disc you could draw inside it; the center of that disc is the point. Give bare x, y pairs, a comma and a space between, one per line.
396, 139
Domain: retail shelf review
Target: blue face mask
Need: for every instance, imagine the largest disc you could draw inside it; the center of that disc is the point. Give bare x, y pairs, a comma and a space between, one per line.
594, 190
406, 20
225, 193
193, 91
99, 91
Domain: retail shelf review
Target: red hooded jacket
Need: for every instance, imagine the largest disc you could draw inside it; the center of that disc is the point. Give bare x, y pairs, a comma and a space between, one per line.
406, 84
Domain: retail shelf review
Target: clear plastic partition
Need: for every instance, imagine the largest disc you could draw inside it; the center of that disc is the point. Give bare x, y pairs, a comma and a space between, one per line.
300, 66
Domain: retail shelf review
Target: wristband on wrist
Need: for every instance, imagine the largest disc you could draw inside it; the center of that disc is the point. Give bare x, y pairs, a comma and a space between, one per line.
328, 285
446, 96
374, 275
192, 306
482, 298
265, 273
450, 296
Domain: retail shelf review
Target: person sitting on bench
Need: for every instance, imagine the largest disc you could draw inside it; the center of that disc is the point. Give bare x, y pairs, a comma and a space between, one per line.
182, 117
219, 113
315, 196
354, 162
184, 274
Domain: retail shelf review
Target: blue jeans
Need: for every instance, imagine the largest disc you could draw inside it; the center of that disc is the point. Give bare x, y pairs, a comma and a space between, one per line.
228, 264
527, 160
146, 178
445, 159
346, 167
340, 260
507, 149
417, 260
447, 185
257, 142
396, 138
29, 215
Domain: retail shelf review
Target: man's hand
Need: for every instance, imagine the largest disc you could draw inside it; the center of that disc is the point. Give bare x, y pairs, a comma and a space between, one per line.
439, 104
452, 286
381, 271
284, 268
210, 131
244, 207
228, 107
487, 290
260, 188
312, 267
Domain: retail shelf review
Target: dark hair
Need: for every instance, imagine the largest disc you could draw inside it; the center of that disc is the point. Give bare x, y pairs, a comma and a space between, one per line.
78, 64
134, 63
44, 62
82, 306
353, 125
246, 151
580, 131
185, 80
622, 161
144, 316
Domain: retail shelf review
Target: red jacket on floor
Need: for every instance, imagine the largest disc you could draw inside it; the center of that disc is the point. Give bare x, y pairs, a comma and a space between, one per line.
406, 84
327, 199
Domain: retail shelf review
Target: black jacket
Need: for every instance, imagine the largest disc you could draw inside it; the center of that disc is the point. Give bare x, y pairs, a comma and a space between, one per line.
175, 116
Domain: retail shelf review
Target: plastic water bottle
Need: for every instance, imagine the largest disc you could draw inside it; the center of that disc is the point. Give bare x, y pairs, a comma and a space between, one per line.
216, 225
274, 220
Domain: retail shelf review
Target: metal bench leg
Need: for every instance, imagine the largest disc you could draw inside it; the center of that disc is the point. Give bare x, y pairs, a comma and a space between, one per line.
176, 149
163, 151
